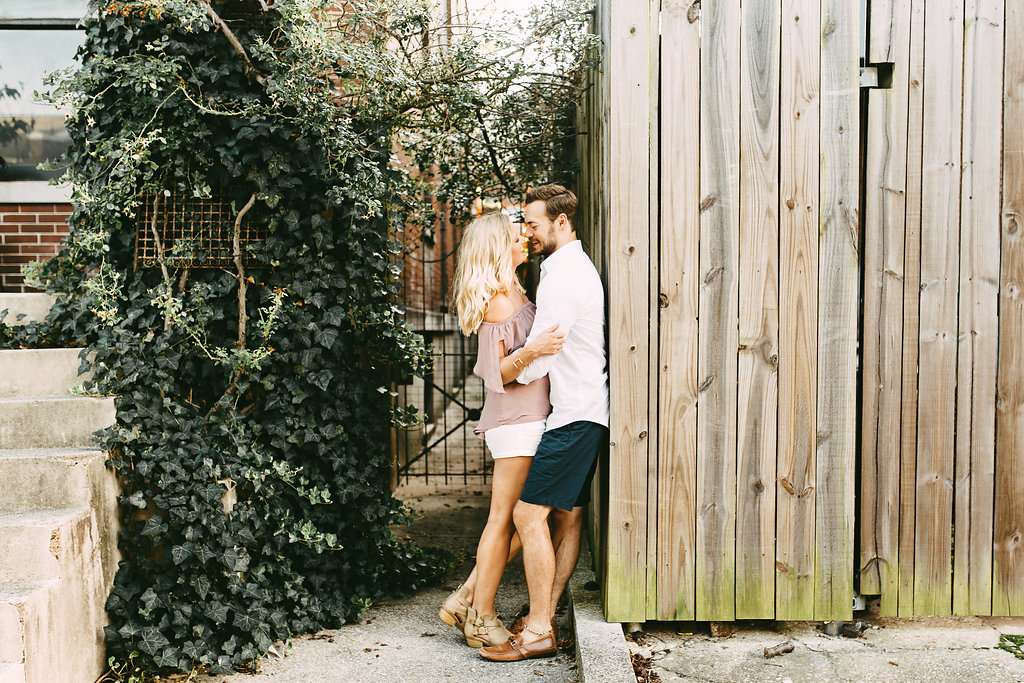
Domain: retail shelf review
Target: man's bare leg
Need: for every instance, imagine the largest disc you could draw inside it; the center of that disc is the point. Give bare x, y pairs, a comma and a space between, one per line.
539, 562
567, 529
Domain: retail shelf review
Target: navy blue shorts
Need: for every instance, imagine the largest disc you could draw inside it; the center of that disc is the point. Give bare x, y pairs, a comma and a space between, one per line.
564, 465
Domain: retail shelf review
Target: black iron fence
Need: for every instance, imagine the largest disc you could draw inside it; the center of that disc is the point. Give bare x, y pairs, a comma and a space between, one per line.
443, 451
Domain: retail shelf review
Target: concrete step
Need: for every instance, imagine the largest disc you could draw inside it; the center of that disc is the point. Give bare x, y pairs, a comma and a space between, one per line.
33, 542
53, 422
22, 603
12, 673
50, 478
29, 306
39, 373
54, 627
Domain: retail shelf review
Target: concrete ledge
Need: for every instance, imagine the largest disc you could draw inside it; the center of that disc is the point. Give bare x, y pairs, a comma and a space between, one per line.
34, 306
602, 655
15, 598
12, 673
37, 373
50, 478
53, 422
31, 542
34, 192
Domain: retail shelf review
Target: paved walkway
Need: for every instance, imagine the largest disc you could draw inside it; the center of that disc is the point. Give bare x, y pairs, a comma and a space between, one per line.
402, 639
917, 650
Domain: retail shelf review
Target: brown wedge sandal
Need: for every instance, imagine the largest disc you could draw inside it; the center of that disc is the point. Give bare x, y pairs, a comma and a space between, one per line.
453, 611
485, 630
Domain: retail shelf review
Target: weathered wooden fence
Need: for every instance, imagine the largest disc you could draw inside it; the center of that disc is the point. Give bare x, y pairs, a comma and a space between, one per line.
942, 471
722, 186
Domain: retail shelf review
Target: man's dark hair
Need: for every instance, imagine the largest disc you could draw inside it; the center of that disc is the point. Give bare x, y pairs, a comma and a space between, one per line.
557, 200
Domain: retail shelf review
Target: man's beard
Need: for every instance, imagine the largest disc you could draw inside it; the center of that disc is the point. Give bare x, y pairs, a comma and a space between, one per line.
543, 248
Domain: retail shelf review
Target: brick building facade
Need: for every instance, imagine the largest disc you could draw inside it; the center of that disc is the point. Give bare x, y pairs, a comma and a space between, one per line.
29, 231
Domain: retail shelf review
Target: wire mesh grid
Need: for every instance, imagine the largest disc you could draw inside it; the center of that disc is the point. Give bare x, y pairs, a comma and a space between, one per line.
192, 232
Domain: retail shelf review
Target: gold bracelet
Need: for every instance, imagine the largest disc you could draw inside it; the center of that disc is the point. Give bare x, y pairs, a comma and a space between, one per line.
518, 363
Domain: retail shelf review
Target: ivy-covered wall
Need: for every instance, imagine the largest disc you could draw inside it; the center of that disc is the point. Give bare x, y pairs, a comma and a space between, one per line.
287, 410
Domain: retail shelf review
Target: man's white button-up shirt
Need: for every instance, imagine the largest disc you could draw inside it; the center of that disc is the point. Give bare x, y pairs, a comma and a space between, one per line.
570, 294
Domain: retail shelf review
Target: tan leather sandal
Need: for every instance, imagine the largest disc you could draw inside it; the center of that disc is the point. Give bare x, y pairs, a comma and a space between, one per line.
514, 649
453, 611
485, 630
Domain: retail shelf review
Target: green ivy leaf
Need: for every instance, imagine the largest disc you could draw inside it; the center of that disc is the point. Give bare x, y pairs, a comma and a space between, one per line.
217, 612
151, 640
180, 553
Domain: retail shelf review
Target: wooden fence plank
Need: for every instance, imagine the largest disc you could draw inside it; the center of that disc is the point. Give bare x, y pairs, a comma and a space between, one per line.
798, 283
911, 307
837, 310
1008, 547
757, 407
628, 173
977, 345
884, 222
677, 386
719, 234
595, 241
653, 308
940, 251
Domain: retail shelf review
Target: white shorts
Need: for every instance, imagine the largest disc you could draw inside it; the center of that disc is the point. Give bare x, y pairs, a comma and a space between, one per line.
511, 441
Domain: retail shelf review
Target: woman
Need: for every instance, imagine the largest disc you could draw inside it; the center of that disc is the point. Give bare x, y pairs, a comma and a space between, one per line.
492, 303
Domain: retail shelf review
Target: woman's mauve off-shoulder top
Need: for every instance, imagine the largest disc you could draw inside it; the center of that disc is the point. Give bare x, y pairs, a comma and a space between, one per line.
512, 403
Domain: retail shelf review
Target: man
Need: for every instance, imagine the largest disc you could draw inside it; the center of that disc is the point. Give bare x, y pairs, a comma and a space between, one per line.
571, 296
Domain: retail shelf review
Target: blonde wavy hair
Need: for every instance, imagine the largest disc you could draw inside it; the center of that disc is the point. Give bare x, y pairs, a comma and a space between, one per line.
484, 268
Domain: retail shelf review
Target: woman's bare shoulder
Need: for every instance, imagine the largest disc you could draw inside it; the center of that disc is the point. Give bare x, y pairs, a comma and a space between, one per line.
500, 308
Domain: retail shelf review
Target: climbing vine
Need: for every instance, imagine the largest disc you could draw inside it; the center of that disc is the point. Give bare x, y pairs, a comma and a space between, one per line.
253, 398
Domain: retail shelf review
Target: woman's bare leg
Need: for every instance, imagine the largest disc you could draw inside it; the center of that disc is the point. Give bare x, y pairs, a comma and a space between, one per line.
514, 547
496, 542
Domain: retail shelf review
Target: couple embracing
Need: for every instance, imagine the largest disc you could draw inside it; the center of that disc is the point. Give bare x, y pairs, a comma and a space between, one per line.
545, 414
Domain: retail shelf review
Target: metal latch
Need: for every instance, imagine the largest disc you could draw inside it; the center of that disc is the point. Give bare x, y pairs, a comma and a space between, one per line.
877, 75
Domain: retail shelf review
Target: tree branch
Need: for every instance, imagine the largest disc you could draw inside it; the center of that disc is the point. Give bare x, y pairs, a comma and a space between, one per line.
242, 284
182, 281
250, 69
492, 154
160, 257
242, 288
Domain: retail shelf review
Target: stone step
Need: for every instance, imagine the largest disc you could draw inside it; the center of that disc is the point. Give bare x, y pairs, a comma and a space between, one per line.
39, 373
22, 604
50, 478
54, 627
29, 306
32, 542
12, 673
53, 422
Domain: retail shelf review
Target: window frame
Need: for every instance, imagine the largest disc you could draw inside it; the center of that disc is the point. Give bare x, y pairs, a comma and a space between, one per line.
40, 24
36, 191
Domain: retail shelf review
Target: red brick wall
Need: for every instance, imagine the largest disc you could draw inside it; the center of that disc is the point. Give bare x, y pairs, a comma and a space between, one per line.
28, 232
423, 270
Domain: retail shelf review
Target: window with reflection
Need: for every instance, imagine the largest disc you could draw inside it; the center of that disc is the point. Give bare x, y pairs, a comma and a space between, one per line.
37, 37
